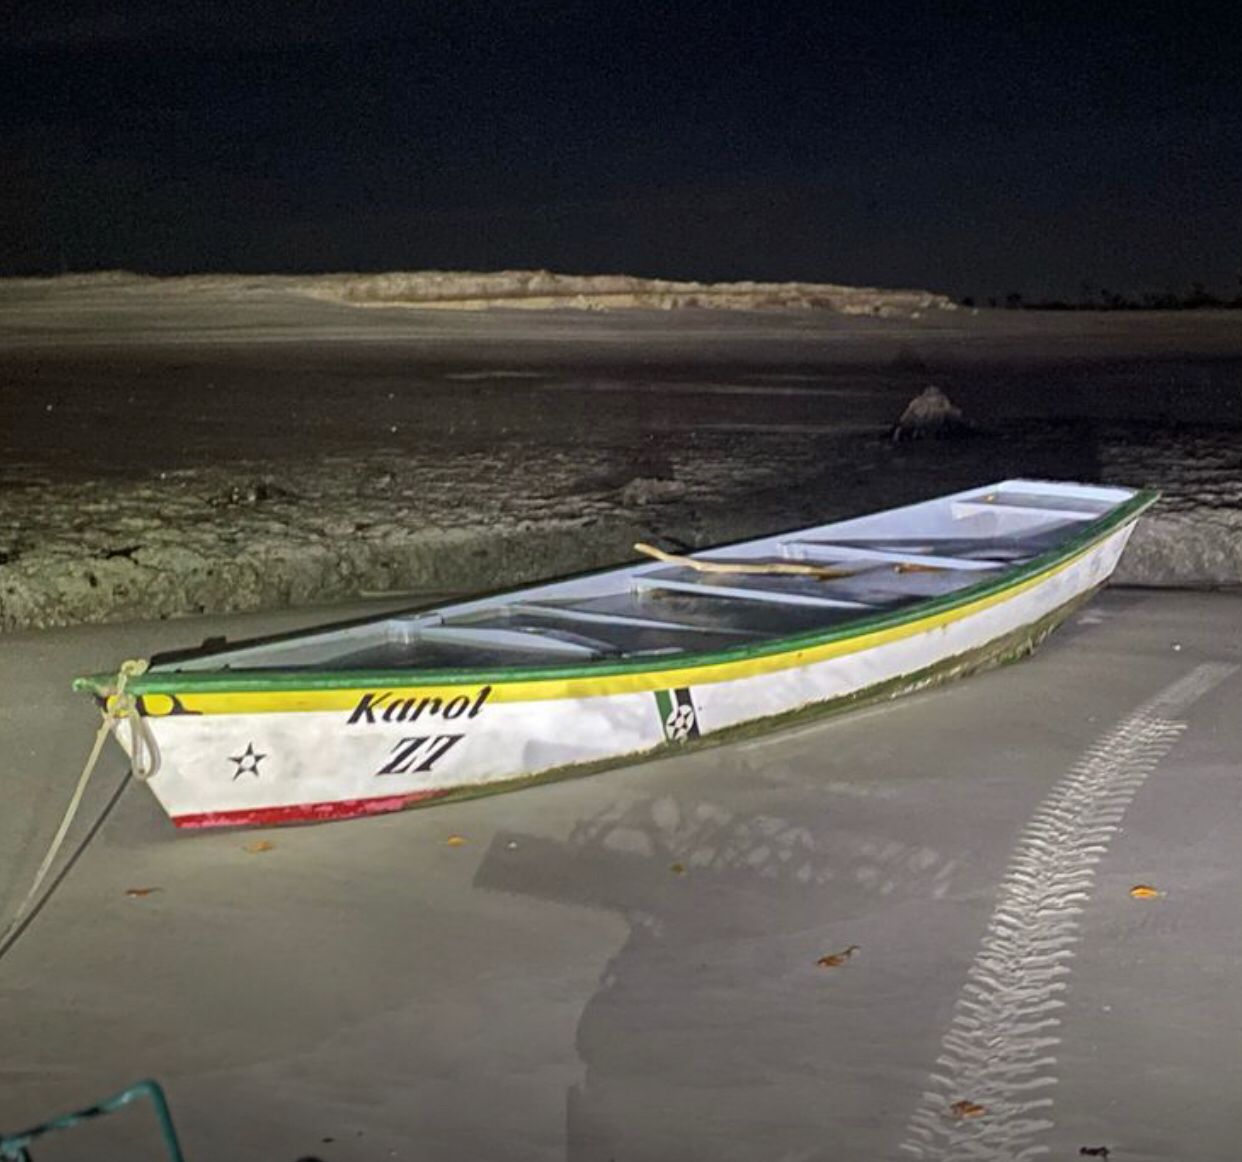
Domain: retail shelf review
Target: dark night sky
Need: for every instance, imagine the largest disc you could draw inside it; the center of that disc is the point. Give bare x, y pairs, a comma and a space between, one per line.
972, 148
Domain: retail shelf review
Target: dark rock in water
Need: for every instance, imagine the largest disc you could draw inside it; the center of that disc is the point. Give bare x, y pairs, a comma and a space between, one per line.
931, 415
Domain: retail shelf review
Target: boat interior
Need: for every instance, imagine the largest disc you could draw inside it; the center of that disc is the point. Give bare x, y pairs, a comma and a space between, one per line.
769, 588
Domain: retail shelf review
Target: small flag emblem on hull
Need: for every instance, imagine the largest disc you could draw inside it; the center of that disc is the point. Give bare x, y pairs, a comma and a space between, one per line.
677, 714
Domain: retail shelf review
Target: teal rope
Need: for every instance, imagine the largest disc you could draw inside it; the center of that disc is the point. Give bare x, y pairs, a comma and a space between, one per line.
16, 1147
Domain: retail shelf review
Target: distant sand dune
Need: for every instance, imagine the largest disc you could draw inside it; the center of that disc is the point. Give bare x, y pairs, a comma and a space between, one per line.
535, 290
542, 290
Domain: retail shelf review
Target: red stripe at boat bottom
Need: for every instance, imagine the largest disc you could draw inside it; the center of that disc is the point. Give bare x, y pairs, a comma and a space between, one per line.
305, 812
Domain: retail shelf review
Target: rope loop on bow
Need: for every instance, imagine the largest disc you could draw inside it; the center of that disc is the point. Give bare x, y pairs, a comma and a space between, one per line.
121, 707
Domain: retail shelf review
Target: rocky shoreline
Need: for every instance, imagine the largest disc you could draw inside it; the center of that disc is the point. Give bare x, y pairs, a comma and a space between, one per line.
249, 537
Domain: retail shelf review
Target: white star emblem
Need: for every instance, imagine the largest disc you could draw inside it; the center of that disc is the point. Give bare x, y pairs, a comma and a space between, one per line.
680, 723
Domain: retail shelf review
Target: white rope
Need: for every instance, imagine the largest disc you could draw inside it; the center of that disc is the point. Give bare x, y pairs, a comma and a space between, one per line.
144, 755
144, 761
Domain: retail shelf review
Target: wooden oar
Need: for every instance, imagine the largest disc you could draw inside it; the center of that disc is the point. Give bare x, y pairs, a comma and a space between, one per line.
787, 568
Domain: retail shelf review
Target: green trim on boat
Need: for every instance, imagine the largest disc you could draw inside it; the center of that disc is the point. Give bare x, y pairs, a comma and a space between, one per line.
171, 682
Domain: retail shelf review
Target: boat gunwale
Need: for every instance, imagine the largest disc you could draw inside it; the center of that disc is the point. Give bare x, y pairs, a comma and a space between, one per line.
288, 680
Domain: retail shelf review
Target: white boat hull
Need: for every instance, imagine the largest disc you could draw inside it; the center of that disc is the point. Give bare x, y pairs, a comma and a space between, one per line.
346, 752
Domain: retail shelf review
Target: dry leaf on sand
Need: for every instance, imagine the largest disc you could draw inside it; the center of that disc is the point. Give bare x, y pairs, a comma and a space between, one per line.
836, 959
967, 1109
1145, 892
259, 845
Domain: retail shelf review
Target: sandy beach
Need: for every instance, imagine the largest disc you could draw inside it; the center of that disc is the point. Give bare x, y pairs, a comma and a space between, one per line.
626, 965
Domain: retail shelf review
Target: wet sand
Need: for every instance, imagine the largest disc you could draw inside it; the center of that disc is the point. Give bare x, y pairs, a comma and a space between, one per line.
625, 966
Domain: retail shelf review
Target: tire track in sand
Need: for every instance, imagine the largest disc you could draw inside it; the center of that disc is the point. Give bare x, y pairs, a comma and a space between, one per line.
997, 1056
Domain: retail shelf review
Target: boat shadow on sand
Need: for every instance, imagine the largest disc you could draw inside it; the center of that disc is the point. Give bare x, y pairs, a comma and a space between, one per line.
710, 1022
